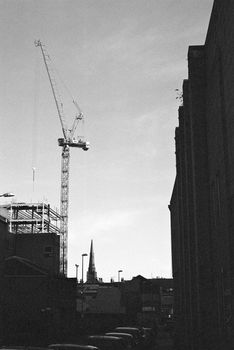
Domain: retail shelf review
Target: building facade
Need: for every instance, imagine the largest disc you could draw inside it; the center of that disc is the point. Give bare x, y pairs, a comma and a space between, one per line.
202, 202
31, 231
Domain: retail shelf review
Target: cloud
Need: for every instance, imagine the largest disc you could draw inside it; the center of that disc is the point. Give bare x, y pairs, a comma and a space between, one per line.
111, 220
97, 224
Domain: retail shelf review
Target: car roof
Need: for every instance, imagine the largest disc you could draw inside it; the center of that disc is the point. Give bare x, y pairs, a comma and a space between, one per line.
74, 346
118, 334
22, 347
102, 337
127, 328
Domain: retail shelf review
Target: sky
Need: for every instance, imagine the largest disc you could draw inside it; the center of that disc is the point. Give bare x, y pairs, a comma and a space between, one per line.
122, 61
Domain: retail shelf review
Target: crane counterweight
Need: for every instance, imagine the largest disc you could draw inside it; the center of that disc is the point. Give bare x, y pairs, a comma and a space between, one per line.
74, 143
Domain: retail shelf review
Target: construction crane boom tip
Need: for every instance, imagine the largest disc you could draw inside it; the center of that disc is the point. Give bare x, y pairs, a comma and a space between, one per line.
37, 42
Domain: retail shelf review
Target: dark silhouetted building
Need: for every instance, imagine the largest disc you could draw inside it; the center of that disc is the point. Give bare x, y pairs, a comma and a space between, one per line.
37, 303
140, 301
6, 240
36, 308
42, 249
148, 302
202, 202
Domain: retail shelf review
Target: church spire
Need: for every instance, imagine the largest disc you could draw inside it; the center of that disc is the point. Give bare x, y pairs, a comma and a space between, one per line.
91, 274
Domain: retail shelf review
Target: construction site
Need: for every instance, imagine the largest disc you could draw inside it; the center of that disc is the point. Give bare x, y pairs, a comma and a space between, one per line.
32, 218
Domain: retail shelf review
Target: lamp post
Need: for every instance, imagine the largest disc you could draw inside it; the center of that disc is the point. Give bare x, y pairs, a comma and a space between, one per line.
82, 287
83, 255
119, 275
76, 272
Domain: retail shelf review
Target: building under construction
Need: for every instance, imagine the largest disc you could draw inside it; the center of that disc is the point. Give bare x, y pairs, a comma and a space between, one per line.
35, 232
32, 218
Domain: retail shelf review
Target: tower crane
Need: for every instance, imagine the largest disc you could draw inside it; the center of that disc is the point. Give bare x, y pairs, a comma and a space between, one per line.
68, 140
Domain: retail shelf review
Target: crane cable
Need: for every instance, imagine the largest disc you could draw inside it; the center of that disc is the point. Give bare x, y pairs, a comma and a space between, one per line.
35, 121
66, 87
56, 74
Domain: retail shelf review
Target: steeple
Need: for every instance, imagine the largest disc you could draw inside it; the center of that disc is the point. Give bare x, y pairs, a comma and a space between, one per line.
91, 274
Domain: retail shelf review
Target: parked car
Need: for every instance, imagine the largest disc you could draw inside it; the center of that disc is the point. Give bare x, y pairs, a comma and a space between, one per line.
134, 331
128, 338
72, 347
21, 347
105, 342
169, 326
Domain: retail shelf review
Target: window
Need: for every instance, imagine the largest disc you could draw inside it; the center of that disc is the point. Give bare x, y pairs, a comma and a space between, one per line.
48, 251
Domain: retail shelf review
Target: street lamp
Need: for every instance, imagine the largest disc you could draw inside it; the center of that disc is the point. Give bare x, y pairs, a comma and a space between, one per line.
7, 194
119, 275
76, 272
82, 287
83, 255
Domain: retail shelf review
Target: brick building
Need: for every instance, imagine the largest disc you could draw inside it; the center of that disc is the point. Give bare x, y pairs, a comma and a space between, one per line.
148, 302
42, 249
202, 202
6, 240
31, 231
36, 308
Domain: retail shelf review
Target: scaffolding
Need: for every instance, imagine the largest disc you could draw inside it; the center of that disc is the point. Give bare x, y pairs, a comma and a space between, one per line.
32, 218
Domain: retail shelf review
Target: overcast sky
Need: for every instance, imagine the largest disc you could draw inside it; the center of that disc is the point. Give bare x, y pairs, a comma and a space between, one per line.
122, 60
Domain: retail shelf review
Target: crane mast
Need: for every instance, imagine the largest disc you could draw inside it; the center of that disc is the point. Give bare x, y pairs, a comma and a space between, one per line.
66, 142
